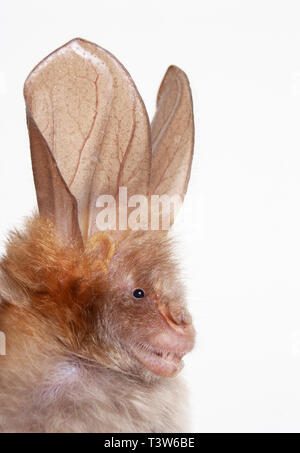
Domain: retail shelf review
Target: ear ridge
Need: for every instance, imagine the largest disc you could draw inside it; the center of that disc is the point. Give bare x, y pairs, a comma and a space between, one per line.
55, 200
172, 135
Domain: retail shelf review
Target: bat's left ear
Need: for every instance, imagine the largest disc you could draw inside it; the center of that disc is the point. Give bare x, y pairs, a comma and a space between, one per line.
172, 136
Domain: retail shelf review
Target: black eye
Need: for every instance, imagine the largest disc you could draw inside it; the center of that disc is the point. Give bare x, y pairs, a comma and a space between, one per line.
138, 293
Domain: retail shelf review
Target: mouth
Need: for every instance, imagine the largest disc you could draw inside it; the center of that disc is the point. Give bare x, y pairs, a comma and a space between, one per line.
163, 363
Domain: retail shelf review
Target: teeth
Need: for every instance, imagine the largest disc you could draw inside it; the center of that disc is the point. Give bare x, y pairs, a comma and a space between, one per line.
166, 355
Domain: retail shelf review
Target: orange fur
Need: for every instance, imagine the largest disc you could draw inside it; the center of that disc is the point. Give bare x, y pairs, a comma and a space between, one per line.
70, 324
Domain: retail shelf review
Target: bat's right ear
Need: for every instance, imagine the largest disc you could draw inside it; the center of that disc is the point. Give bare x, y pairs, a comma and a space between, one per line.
89, 135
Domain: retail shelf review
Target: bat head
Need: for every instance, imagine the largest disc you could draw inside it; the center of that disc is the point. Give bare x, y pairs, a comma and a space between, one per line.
97, 266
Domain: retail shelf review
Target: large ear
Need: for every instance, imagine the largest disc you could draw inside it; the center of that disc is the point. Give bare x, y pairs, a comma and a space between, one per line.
172, 136
89, 134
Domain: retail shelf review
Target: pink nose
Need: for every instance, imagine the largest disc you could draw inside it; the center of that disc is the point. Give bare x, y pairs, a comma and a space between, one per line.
180, 325
179, 336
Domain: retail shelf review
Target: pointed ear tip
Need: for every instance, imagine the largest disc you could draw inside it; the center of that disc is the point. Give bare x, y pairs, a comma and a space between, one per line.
174, 73
173, 69
77, 41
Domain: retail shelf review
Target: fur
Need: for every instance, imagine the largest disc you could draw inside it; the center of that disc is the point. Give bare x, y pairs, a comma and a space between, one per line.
70, 324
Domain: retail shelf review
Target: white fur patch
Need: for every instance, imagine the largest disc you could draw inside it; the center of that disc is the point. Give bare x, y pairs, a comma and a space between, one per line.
60, 380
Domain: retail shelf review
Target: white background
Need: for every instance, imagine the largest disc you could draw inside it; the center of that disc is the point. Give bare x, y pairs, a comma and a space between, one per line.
241, 241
